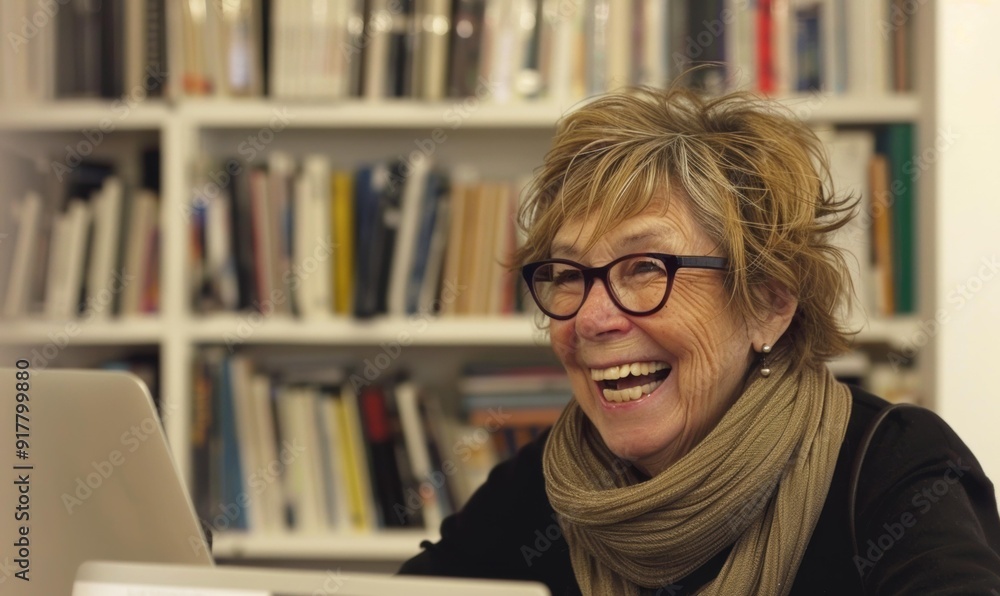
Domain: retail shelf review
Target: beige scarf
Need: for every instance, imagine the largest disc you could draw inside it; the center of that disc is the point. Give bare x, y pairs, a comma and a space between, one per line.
625, 536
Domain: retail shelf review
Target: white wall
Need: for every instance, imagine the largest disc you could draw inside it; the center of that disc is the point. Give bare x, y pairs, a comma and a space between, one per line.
966, 190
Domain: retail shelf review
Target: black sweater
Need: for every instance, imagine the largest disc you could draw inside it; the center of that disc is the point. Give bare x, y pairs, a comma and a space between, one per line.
926, 521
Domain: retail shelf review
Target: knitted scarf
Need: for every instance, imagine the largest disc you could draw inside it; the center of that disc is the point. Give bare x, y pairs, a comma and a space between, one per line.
758, 481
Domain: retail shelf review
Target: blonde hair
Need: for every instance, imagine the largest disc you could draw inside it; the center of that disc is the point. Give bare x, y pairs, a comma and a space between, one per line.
755, 177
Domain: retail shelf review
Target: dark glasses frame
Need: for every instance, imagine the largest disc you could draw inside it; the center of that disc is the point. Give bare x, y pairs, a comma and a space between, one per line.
671, 264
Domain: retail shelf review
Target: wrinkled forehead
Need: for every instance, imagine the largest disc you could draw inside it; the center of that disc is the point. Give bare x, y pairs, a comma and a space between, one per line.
662, 226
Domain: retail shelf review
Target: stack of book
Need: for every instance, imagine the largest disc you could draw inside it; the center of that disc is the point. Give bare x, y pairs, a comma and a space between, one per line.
523, 49
111, 49
309, 448
879, 165
390, 238
82, 244
518, 402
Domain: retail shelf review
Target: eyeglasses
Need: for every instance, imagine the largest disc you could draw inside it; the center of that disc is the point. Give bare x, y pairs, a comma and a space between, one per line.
638, 284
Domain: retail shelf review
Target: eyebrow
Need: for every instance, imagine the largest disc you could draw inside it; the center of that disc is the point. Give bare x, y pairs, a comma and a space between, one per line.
622, 244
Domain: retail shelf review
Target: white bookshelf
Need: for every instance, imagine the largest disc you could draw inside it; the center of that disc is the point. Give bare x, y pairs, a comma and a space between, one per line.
349, 131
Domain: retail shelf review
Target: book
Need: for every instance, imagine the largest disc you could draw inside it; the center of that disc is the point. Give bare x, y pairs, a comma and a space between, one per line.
68, 255
142, 223
850, 153
424, 275
343, 229
338, 507
358, 476
247, 437
883, 204
387, 483
466, 47
312, 268
28, 214
417, 448
265, 481
107, 212
412, 206
896, 141
231, 478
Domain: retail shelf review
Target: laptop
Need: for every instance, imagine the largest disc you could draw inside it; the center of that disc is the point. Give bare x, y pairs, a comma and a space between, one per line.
98, 578
85, 473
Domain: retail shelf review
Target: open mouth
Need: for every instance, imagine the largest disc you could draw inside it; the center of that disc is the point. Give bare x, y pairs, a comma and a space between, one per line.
629, 382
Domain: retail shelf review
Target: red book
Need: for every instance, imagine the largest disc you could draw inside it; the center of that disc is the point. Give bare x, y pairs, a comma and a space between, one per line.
765, 47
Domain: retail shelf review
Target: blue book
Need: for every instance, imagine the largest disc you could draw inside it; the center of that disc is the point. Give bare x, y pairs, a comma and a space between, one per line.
232, 473
431, 201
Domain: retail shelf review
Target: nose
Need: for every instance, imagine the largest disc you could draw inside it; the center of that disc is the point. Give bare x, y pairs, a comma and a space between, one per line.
599, 317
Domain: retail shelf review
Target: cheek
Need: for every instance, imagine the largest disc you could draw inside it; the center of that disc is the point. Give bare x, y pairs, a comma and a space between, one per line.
702, 333
563, 338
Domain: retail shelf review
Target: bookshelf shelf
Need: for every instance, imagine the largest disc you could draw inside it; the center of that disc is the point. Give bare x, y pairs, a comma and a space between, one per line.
85, 114
408, 114
854, 109
456, 331
387, 114
253, 329
126, 331
895, 331
387, 546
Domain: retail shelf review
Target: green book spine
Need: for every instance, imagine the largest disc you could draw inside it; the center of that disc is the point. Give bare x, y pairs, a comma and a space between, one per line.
904, 172
895, 141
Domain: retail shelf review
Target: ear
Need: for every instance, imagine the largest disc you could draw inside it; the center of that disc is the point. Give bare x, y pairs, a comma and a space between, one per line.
777, 318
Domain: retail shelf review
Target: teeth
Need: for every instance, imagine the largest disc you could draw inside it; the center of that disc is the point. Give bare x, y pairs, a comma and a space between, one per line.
635, 369
634, 393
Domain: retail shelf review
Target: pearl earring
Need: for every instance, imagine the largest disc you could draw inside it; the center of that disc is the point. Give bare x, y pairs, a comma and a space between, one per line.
765, 370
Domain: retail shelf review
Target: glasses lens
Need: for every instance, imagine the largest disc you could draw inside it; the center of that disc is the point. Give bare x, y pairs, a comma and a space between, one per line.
640, 283
558, 288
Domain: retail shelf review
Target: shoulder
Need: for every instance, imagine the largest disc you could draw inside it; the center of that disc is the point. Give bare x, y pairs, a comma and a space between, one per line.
925, 513
907, 437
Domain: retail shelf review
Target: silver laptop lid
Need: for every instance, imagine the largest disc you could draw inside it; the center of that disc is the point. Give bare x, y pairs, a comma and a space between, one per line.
85, 473
98, 578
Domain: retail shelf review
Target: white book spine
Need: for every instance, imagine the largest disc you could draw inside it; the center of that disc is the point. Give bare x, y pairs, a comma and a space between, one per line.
247, 438
141, 225
107, 206
302, 240
314, 502
402, 258
415, 439
29, 216
316, 260
268, 478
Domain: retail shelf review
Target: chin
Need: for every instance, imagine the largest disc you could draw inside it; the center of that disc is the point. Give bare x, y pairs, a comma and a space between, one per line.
641, 447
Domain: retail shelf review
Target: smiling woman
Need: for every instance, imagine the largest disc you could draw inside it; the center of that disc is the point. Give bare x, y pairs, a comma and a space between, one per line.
679, 246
